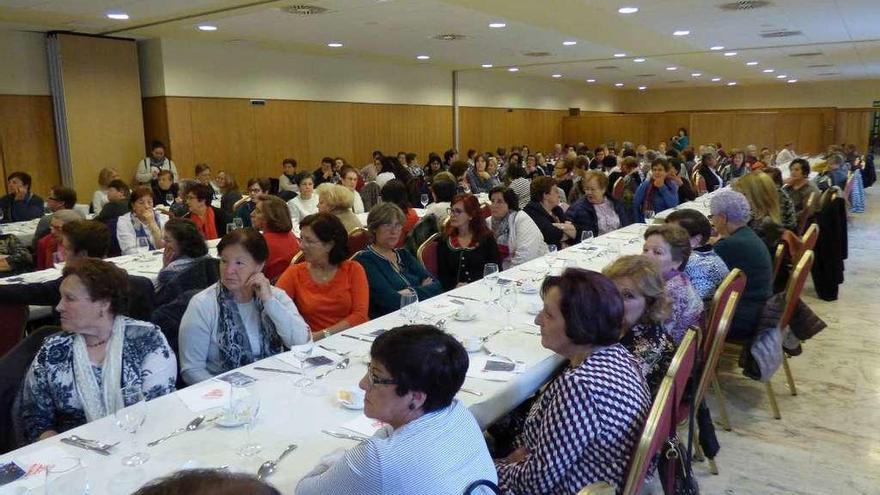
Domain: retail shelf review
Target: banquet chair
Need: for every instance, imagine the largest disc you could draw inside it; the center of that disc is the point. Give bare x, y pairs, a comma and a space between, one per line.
680, 370
617, 190
14, 318
297, 258
807, 213
427, 255
358, 239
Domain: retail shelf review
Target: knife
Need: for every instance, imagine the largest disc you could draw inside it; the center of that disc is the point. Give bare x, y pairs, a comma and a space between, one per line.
336, 434
277, 370
465, 297
84, 445
355, 337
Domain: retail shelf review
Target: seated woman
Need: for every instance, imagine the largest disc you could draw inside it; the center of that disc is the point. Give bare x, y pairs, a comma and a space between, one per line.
288, 183
669, 246
164, 190
349, 178
466, 244
337, 200
330, 291
431, 444
515, 179
656, 193
78, 375
392, 272
786, 205
516, 234
394, 191
710, 176
442, 191
596, 211
99, 198
798, 185
207, 482
256, 187
272, 217
705, 269
759, 190
117, 201
740, 247
547, 214
229, 193
210, 221
595, 408
49, 248
479, 179
306, 202
142, 222
184, 246
241, 318
645, 308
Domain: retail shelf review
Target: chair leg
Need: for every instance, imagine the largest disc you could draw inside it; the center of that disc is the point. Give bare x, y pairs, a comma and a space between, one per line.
722, 405
772, 397
788, 376
713, 468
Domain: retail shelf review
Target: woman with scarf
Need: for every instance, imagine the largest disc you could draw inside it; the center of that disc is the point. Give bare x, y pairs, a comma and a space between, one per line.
479, 178
78, 374
210, 221
148, 169
519, 239
241, 318
142, 222
657, 193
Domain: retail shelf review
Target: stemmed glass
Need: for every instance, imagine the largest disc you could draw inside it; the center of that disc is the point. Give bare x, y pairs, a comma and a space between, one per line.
408, 306
649, 216
143, 248
490, 272
507, 301
552, 250
130, 419
424, 199
230, 227
245, 408
66, 476
169, 199
238, 222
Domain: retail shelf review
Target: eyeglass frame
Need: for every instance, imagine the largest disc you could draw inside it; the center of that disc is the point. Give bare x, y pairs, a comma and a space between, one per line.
372, 379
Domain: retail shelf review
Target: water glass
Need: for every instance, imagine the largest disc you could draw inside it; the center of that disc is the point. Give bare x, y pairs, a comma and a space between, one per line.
246, 407
552, 250
507, 301
66, 476
238, 222
586, 237
424, 200
490, 272
230, 227
143, 247
408, 306
130, 419
169, 199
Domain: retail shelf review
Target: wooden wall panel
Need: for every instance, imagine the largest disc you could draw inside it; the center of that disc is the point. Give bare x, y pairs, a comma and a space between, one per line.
486, 129
854, 126
27, 141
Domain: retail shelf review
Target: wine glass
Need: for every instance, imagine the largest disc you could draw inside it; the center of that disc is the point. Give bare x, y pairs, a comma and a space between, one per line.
490, 272
408, 307
238, 222
424, 199
552, 251
586, 237
169, 199
507, 301
246, 407
66, 476
230, 227
143, 247
130, 419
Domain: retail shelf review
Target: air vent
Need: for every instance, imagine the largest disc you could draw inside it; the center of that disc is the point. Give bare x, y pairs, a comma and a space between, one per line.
829, 74
646, 75
304, 10
782, 33
449, 37
744, 5
805, 54
607, 67
537, 54
819, 66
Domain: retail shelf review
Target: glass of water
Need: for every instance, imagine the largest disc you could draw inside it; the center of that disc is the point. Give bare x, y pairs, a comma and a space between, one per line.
246, 407
552, 251
649, 216
169, 199
143, 247
586, 237
238, 222
424, 200
507, 301
408, 306
66, 476
130, 419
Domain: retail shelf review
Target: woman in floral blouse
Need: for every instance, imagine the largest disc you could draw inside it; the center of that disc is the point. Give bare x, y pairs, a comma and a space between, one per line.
78, 375
645, 307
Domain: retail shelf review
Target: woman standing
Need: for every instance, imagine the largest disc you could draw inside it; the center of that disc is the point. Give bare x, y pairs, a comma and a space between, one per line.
142, 222
149, 168
516, 234
306, 203
466, 245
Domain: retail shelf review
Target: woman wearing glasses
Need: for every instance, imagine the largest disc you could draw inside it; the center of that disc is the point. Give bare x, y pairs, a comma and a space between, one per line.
431, 444
245, 207
466, 245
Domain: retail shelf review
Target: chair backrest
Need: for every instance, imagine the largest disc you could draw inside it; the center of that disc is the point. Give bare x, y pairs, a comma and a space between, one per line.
848, 187
654, 435
14, 318
427, 254
297, 258
485, 211
617, 190
358, 239
811, 236
779, 258
681, 367
796, 286
808, 212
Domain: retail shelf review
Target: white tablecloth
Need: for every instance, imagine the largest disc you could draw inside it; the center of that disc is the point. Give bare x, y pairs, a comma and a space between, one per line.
23, 230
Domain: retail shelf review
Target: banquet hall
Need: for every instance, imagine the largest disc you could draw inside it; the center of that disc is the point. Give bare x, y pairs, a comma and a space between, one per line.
439, 246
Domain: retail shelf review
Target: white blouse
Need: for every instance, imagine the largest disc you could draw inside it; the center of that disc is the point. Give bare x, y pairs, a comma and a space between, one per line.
300, 208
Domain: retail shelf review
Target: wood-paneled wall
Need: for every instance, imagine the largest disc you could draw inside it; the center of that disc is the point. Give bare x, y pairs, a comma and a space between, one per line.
27, 140
854, 126
485, 129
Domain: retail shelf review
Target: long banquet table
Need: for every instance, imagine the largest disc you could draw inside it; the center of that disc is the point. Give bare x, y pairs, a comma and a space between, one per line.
290, 414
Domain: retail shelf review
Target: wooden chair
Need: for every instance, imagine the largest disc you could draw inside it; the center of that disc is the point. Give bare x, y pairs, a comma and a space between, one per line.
617, 190
680, 369
358, 239
807, 213
797, 246
427, 255
297, 258
779, 258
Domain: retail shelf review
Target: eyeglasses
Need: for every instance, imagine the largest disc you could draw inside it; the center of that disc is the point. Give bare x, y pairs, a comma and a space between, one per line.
454, 211
375, 380
256, 191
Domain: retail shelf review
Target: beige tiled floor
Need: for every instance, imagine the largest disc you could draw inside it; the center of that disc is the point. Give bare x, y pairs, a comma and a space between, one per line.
828, 440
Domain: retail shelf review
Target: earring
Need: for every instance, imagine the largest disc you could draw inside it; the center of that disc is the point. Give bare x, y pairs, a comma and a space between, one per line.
411, 406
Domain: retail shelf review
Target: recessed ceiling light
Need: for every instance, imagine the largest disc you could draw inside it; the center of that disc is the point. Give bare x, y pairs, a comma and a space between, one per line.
638, 60
751, 63
729, 54
732, 83
207, 27
681, 32
792, 80
781, 76
696, 74
591, 80
117, 16
619, 85
672, 68
557, 76
334, 45
497, 25
569, 43
768, 71
716, 48
619, 55
642, 88
716, 79
423, 57
513, 69
487, 66
628, 10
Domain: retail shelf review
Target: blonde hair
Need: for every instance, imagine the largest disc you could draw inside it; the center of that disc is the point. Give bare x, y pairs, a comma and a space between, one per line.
646, 277
336, 197
600, 178
105, 176
761, 192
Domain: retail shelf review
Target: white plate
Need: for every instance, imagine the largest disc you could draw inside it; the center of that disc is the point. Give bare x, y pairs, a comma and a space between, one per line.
227, 422
458, 317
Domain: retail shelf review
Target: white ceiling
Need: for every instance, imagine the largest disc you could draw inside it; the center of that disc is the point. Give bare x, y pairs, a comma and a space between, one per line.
844, 35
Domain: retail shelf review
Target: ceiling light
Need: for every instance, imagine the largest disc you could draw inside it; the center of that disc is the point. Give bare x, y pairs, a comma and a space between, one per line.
681, 32
557, 76
117, 16
569, 43
423, 57
792, 80
672, 68
768, 71
513, 69
207, 27
619, 85
732, 83
716, 79
638, 60
487, 66
751, 63
642, 88
716, 48
628, 10
497, 25
729, 54
591, 80
781, 76
619, 55
334, 45
696, 74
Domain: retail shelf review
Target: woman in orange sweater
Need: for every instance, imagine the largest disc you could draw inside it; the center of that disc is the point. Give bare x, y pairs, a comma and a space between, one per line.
272, 217
330, 291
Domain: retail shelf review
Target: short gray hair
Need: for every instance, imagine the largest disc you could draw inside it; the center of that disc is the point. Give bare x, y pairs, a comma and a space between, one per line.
732, 204
68, 216
836, 158
384, 214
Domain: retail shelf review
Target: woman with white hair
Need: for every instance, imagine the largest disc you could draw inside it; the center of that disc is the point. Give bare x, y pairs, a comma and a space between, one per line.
337, 200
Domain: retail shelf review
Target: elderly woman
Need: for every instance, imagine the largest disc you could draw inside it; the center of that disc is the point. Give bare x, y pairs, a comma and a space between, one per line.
337, 200
705, 269
740, 247
596, 211
657, 193
211, 221
516, 234
798, 185
786, 205
349, 178
431, 444
391, 271
645, 308
241, 318
330, 290
272, 218
229, 193
479, 178
669, 246
50, 245
760, 191
256, 186
394, 191
466, 245
306, 203
142, 222
595, 408
563, 172
164, 190
207, 482
184, 246
78, 375
737, 168
99, 198
547, 214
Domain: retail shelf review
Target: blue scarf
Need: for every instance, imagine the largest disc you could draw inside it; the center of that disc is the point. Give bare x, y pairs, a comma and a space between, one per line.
235, 348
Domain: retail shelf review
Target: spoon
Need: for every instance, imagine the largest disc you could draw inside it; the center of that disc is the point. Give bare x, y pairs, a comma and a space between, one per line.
193, 425
341, 365
99, 445
268, 467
